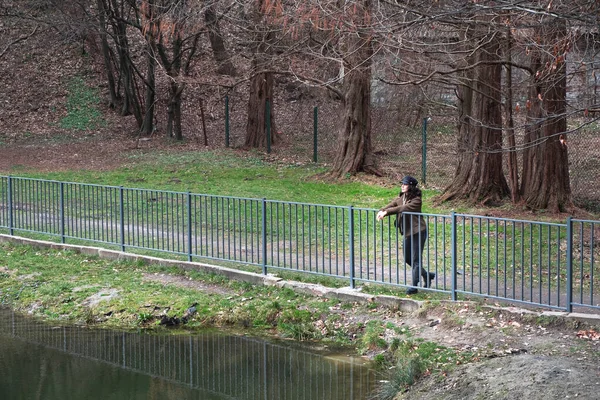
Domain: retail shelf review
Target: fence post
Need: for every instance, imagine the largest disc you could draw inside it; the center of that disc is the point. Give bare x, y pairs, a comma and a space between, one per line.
11, 230
315, 132
569, 265
189, 218
62, 212
264, 236
226, 121
453, 256
121, 218
424, 152
351, 244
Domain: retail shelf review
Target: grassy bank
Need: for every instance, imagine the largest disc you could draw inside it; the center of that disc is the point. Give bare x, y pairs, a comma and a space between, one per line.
239, 174
62, 286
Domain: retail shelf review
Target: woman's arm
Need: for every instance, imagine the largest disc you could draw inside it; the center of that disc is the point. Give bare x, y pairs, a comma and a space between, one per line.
396, 207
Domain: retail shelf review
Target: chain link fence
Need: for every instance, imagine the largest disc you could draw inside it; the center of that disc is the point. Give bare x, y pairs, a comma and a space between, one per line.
406, 141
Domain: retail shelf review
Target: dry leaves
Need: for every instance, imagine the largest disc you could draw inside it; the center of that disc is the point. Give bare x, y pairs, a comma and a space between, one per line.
589, 334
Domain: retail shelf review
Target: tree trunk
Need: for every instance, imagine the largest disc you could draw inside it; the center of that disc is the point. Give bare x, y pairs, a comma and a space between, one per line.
513, 168
174, 112
114, 97
261, 87
479, 177
130, 101
173, 69
261, 90
150, 29
355, 150
546, 183
148, 124
225, 66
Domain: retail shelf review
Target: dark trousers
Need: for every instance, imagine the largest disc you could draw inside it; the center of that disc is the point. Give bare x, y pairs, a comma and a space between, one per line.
413, 256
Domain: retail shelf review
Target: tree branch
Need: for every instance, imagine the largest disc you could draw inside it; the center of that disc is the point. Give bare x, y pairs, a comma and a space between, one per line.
20, 39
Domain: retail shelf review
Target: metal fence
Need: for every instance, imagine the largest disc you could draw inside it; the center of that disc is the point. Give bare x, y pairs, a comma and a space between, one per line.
553, 265
210, 364
406, 139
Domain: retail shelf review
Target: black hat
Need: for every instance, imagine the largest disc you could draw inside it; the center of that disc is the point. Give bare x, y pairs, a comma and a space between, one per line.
409, 180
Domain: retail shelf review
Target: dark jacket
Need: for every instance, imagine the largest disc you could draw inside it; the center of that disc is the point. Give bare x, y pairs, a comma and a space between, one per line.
412, 223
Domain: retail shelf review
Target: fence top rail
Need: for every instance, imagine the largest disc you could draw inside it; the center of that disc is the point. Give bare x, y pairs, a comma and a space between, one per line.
21, 178
557, 224
125, 188
585, 221
368, 209
308, 204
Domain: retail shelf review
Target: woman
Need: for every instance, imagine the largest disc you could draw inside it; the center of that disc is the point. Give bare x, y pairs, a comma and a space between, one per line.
413, 228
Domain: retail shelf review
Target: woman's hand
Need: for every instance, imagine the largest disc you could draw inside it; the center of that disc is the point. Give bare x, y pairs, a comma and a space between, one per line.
380, 215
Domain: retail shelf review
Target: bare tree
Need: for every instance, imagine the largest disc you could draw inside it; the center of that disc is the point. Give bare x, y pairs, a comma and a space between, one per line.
176, 39
225, 65
512, 165
118, 10
150, 29
103, 27
436, 43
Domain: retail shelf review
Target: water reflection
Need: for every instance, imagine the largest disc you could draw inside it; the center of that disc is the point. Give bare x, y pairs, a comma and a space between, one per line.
39, 361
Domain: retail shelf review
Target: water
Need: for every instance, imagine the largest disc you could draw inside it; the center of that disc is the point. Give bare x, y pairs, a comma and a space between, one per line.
39, 361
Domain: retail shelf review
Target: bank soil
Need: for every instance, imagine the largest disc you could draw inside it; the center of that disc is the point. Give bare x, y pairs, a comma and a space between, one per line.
520, 355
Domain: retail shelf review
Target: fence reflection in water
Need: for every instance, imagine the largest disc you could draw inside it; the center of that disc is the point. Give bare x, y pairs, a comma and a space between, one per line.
234, 367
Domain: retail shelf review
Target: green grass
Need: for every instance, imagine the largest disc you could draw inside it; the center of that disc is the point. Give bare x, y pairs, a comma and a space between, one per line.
82, 107
414, 358
56, 285
487, 247
227, 173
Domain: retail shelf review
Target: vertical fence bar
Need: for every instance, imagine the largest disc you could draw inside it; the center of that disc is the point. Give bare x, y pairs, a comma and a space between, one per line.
264, 235
315, 132
226, 121
569, 265
351, 244
11, 230
121, 219
189, 230
62, 212
453, 255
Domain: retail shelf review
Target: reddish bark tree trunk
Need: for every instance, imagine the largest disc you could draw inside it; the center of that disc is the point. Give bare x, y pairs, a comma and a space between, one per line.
355, 150
261, 86
479, 177
261, 90
546, 183
512, 165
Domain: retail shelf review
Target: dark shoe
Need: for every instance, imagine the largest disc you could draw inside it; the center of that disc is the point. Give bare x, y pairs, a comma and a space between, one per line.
411, 291
429, 279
